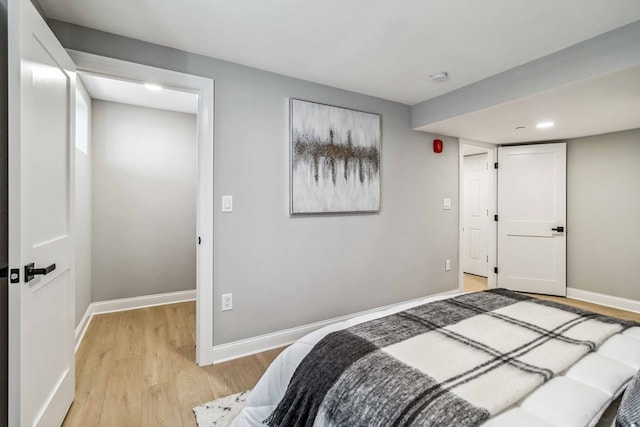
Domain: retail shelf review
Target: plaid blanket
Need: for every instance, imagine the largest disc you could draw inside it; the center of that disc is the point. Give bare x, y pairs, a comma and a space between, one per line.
451, 362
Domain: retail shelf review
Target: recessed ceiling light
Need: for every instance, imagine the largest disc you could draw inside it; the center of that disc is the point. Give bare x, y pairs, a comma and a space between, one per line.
543, 125
442, 76
153, 86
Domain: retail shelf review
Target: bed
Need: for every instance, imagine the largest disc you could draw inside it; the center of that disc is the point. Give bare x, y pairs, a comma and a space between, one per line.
495, 358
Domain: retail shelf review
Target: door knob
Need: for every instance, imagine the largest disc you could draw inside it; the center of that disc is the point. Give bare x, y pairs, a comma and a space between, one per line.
558, 229
30, 271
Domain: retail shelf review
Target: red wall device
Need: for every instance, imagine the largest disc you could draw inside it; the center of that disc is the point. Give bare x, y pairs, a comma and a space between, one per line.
437, 146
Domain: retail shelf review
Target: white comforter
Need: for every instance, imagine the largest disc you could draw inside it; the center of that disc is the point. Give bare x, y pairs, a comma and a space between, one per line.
576, 398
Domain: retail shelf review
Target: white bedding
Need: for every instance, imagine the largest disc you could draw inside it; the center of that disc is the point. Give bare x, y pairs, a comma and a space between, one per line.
576, 398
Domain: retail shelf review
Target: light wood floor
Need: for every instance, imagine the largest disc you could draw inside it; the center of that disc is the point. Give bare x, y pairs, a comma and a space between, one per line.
474, 283
135, 368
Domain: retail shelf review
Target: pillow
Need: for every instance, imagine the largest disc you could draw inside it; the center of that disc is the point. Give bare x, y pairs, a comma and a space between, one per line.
629, 410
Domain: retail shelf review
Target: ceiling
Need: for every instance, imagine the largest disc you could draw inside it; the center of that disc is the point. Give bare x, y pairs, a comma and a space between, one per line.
134, 93
595, 106
387, 48
384, 48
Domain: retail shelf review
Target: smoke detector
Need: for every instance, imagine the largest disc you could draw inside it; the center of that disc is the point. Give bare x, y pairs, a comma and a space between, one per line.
442, 76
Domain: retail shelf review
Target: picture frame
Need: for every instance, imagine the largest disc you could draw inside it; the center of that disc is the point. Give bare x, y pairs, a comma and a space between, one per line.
335, 159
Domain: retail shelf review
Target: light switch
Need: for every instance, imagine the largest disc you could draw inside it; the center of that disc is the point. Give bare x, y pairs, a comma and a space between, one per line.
227, 203
446, 204
227, 302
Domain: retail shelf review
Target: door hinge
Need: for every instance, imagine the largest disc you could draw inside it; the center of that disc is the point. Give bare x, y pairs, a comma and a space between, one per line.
495, 165
14, 275
495, 270
495, 217
199, 240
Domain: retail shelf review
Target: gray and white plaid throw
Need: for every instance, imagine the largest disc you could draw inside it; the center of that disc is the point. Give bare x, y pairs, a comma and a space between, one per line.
451, 362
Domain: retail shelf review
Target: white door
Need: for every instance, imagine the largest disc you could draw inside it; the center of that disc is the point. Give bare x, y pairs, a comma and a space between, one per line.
41, 307
532, 218
475, 214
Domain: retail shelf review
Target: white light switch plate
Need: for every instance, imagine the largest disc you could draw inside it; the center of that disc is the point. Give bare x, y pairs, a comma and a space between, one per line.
446, 204
227, 302
447, 264
227, 203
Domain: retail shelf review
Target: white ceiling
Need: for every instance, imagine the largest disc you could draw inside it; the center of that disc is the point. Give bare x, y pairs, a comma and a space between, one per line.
384, 48
126, 92
600, 105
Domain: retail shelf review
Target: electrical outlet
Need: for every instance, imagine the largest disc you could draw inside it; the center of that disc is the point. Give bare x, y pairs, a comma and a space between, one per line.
447, 264
446, 204
227, 302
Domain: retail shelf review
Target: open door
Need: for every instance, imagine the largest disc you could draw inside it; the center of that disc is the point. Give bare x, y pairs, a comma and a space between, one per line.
475, 215
532, 218
41, 289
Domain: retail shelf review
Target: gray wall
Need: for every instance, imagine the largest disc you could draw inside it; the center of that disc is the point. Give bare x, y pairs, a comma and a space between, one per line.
603, 214
4, 213
283, 271
83, 210
144, 201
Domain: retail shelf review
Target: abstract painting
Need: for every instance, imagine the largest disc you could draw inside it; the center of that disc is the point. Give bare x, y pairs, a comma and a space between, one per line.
335, 159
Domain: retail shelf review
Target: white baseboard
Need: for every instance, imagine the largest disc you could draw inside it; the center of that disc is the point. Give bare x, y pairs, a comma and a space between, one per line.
133, 303
606, 300
83, 325
246, 347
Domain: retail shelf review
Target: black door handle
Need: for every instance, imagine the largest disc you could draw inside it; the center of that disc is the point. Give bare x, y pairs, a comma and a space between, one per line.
558, 229
30, 271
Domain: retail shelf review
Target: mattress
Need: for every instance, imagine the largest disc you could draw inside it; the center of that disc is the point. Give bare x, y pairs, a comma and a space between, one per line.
577, 397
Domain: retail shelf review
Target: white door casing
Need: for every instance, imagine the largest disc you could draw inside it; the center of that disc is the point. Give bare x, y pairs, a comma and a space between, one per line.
41, 155
204, 88
475, 214
531, 203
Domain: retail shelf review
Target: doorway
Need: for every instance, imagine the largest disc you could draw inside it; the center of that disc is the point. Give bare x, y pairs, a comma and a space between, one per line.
475, 216
477, 228
142, 187
202, 89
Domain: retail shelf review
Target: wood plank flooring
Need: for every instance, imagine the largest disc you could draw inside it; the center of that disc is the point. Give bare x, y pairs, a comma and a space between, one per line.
474, 283
136, 368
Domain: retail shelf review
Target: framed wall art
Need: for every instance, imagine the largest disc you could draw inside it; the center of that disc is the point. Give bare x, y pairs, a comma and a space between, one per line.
335, 159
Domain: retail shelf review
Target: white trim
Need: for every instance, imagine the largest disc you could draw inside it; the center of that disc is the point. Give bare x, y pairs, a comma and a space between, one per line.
81, 329
132, 303
204, 88
246, 347
606, 300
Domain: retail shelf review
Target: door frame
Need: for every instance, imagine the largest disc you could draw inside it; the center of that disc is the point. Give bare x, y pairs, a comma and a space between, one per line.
204, 88
492, 204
